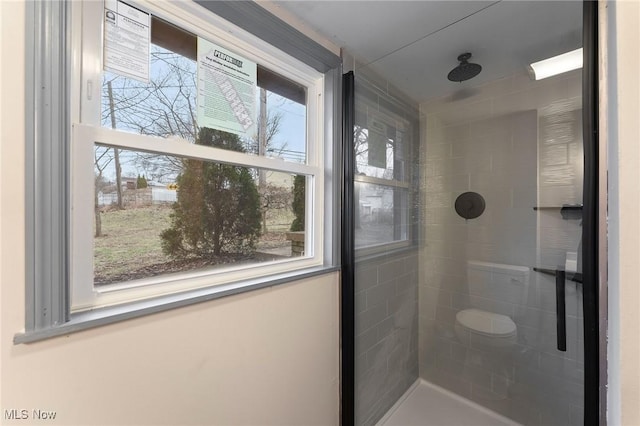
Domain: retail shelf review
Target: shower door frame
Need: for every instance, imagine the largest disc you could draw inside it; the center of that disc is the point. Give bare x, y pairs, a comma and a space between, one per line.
593, 230
594, 409
347, 287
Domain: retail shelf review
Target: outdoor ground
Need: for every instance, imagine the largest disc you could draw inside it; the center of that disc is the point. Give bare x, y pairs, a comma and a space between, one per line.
130, 246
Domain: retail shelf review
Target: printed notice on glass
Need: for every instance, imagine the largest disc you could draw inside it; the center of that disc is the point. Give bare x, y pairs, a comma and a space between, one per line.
226, 90
377, 144
126, 40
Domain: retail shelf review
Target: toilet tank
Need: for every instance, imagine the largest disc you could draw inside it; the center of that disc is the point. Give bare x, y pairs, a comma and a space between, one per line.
503, 283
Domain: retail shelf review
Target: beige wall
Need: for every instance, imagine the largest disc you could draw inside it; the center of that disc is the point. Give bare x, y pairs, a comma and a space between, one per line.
265, 357
624, 207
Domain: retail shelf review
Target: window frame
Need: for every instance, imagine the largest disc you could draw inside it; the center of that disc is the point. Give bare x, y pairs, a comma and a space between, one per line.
54, 64
89, 131
389, 108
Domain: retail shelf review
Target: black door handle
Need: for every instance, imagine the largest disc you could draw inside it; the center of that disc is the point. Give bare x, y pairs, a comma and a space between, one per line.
561, 315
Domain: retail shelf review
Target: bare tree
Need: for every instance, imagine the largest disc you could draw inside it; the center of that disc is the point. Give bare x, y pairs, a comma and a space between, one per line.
116, 151
271, 196
164, 107
101, 161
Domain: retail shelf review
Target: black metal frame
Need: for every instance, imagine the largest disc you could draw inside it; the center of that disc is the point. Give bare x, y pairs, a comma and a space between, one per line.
347, 296
590, 215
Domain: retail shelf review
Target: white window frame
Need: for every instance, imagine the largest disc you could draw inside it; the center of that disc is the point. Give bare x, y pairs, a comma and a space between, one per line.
88, 130
54, 66
389, 118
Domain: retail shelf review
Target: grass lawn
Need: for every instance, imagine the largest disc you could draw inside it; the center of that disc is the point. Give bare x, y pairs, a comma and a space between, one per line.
130, 247
131, 239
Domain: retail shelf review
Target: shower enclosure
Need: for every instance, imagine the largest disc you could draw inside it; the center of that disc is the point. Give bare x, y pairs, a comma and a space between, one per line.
468, 221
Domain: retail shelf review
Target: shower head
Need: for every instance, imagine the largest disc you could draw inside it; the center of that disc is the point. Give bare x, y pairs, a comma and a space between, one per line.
465, 70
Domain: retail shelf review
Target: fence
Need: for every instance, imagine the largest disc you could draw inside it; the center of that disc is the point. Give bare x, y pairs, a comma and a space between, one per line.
139, 197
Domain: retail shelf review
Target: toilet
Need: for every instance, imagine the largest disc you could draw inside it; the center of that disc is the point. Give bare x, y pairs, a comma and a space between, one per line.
492, 284
485, 330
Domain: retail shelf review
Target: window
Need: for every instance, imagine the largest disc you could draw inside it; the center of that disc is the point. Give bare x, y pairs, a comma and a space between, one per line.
180, 198
384, 157
159, 181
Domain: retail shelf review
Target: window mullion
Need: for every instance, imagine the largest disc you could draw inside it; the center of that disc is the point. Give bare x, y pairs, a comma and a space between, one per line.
182, 148
382, 182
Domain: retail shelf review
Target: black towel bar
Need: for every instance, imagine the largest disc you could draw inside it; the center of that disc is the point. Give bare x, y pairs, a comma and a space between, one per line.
571, 276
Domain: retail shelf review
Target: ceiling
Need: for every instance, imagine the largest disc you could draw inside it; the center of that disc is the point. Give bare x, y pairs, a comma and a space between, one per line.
414, 44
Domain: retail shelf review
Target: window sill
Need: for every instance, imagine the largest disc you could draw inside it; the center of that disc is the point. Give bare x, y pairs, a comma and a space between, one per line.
109, 315
384, 250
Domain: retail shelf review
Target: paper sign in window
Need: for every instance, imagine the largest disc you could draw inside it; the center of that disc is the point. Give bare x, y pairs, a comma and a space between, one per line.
377, 154
126, 40
226, 90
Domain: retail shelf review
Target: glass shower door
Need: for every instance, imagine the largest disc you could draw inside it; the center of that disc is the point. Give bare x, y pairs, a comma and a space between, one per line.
385, 213
469, 221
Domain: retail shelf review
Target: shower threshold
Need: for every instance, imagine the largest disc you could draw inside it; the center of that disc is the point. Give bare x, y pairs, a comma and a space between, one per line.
425, 404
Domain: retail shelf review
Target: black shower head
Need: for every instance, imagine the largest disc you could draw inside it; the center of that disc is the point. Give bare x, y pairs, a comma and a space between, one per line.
465, 70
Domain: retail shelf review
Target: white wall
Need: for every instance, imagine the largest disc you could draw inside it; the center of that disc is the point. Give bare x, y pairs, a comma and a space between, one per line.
624, 211
265, 357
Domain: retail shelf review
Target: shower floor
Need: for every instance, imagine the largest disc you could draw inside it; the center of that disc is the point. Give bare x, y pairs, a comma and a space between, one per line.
425, 404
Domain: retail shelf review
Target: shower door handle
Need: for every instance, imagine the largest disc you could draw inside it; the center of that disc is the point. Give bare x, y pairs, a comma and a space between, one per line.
561, 315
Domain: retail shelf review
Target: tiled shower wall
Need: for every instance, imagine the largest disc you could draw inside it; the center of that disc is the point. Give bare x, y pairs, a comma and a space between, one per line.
560, 174
386, 332
492, 140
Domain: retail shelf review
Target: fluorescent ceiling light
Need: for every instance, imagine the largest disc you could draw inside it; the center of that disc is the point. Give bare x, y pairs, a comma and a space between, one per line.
557, 65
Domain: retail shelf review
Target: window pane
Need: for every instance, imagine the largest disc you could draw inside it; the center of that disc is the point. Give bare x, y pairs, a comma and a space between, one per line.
167, 104
381, 214
380, 151
172, 214
285, 131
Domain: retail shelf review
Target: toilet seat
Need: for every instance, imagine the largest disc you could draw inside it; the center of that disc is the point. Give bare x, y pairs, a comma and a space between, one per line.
486, 323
